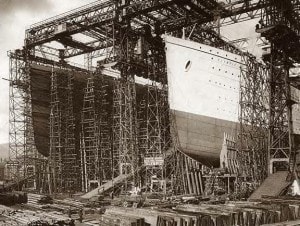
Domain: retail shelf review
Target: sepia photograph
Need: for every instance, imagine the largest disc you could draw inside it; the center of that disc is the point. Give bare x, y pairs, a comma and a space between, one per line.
149, 112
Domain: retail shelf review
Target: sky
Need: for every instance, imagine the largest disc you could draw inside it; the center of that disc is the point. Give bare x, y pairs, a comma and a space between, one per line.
17, 15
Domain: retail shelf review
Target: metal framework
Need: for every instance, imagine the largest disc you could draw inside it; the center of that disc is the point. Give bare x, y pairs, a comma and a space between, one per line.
21, 139
156, 124
97, 20
254, 99
153, 155
280, 26
125, 135
17, 126
90, 162
104, 120
95, 152
57, 128
70, 162
127, 34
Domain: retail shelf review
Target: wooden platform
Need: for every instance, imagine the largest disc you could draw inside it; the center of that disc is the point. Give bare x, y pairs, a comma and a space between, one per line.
230, 214
272, 186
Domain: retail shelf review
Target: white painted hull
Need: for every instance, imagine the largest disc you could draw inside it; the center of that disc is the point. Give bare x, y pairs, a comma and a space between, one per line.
204, 85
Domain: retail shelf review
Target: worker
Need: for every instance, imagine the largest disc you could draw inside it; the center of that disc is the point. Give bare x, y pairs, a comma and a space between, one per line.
80, 215
69, 212
261, 22
111, 195
72, 223
60, 223
247, 3
256, 27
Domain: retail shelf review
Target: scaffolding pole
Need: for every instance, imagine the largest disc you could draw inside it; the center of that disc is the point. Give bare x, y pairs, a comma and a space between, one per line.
104, 120
69, 158
280, 26
125, 152
90, 161
57, 129
17, 118
254, 114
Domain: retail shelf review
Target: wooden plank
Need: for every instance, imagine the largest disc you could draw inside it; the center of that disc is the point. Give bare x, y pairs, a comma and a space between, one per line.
184, 177
201, 182
197, 183
192, 177
286, 223
188, 176
194, 170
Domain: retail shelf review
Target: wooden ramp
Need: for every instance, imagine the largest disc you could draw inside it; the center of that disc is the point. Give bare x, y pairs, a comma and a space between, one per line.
107, 186
273, 185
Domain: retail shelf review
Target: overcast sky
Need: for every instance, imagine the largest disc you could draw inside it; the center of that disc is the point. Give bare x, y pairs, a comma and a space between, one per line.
17, 15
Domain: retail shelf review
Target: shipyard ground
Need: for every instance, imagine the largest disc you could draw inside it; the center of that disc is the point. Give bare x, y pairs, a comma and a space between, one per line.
153, 210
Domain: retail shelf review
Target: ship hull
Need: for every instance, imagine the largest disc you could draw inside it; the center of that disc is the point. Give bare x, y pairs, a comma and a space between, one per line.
202, 137
204, 85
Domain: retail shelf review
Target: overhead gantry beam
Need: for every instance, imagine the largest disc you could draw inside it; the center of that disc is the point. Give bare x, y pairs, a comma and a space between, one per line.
69, 41
67, 24
100, 16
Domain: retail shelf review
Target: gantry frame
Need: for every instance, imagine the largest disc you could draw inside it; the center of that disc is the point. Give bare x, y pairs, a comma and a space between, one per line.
96, 21
113, 29
280, 26
254, 116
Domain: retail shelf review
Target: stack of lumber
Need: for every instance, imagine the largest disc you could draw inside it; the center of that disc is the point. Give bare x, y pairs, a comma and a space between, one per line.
119, 216
64, 205
33, 200
223, 215
230, 214
70, 202
286, 223
13, 198
25, 217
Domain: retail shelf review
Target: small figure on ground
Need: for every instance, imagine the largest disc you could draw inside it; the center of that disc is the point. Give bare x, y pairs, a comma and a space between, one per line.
80, 215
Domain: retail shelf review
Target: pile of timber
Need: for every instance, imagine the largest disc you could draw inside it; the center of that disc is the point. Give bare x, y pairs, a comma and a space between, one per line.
12, 216
121, 219
286, 223
267, 199
64, 205
246, 214
33, 200
230, 214
70, 202
13, 198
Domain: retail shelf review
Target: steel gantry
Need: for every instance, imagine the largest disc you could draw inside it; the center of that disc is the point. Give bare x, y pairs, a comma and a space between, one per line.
97, 21
127, 35
254, 99
280, 26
